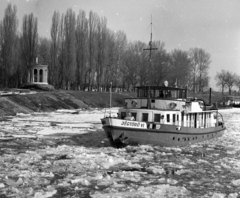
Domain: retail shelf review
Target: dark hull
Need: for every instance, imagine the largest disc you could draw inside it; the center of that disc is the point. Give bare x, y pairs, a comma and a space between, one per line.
168, 135
236, 105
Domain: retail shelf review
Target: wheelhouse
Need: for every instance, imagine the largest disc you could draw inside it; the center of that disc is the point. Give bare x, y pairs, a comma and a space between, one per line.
161, 92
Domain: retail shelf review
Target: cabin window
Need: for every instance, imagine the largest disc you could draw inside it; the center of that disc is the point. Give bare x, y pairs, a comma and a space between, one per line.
152, 94
194, 117
145, 117
157, 117
134, 115
123, 115
174, 117
161, 94
177, 117
168, 94
168, 117
187, 121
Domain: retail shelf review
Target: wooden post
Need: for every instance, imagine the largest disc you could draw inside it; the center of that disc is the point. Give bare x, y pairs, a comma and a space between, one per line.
110, 97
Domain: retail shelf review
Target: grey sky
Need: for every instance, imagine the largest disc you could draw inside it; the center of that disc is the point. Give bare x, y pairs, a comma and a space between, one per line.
213, 25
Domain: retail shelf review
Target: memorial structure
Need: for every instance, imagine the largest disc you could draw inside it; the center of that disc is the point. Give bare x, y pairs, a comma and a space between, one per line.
38, 74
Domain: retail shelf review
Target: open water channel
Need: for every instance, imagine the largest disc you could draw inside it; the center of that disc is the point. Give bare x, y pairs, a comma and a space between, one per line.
82, 164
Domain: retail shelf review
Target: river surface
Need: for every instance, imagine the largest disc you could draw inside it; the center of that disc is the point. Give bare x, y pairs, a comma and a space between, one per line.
91, 168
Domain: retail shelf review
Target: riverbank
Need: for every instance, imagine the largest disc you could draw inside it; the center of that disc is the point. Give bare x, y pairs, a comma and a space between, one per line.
29, 101
47, 101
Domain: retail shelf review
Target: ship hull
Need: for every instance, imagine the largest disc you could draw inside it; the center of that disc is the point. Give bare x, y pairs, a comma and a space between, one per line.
165, 135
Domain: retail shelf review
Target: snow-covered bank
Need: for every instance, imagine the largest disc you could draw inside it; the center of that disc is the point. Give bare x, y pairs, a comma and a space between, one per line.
84, 165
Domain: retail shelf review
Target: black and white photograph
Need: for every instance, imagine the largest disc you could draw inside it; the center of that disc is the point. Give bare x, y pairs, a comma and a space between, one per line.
119, 99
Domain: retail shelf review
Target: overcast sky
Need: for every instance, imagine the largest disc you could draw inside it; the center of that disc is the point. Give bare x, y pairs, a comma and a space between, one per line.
213, 25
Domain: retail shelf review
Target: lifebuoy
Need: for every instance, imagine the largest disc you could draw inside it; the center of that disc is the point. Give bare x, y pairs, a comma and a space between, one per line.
172, 105
134, 103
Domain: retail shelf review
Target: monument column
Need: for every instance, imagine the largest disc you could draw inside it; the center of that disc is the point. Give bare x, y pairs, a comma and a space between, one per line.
37, 74
32, 70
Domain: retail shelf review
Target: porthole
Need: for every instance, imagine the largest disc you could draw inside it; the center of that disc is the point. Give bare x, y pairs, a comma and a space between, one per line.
188, 139
193, 138
173, 138
178, 139
203, 136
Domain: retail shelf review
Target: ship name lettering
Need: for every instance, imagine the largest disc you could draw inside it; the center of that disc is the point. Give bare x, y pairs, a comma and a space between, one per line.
133, 124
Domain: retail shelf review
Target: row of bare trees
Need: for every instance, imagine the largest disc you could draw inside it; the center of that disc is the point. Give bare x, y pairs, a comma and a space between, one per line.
17, 50
227, 79
83, 53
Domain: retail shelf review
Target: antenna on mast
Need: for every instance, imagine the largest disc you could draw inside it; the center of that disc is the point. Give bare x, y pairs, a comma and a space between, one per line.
150, 44
150, 57
151, 30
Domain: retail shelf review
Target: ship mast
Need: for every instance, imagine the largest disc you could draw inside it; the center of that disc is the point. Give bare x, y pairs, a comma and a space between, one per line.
150, 65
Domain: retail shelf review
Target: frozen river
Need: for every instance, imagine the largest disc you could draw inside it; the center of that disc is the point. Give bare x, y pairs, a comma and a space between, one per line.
91, 168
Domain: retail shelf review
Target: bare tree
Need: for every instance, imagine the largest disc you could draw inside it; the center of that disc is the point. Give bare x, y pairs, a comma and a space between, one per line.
101, 50
54, 52
159, 62
141, 59
237, 83
161, 67
9, 46
1, 55
70, 48
111, 60
44, 51
92, 25
81, 48
180, 68
62, 54
132, 62
200, 61
119, 48
230, 81
221, 79
29, 40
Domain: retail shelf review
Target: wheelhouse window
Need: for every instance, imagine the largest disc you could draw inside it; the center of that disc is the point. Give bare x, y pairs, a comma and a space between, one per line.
142, 93
145, 117
161, 92
157, 117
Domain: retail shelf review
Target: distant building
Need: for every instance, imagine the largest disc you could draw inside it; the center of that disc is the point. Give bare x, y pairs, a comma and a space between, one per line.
38, 74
